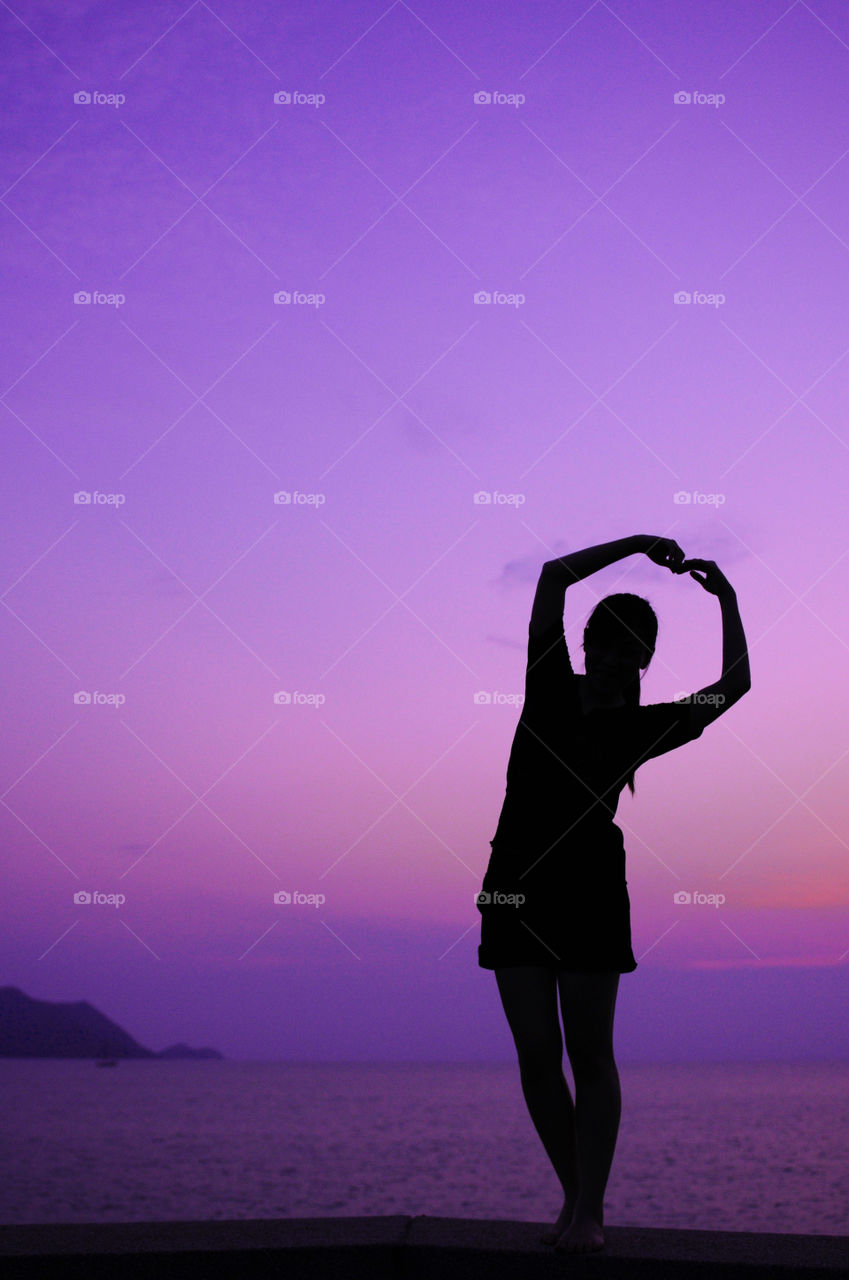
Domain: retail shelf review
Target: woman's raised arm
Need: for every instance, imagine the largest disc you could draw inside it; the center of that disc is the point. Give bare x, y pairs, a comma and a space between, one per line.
736, 678
559, 574
580, 564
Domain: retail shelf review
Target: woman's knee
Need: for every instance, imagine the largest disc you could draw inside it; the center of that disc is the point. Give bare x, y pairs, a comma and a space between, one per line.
540, 1058
590, 1063
588, 1002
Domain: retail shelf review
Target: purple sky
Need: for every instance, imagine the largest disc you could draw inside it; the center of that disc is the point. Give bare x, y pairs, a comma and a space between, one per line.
382, 199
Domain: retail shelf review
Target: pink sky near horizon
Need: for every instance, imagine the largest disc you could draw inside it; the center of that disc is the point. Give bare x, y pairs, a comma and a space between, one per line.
396, 597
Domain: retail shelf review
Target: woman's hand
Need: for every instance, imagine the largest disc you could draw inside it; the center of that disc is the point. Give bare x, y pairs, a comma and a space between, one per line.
665, 552
714, 579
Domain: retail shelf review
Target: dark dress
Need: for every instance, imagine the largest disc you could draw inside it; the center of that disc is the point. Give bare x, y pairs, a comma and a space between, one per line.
554, 892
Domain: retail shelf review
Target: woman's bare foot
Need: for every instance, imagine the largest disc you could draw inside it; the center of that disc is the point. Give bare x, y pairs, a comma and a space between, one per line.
583, 1235
554, 1234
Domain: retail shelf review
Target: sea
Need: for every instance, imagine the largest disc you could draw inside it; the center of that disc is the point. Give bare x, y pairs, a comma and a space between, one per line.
737, 1146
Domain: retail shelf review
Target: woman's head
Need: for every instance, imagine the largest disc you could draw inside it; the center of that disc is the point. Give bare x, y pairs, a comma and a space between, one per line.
619, 641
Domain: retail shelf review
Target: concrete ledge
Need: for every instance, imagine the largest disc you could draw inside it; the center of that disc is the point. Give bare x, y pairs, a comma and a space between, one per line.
403, 1248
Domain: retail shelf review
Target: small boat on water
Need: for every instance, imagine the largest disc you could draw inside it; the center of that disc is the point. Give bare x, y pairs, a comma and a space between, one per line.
104, 1060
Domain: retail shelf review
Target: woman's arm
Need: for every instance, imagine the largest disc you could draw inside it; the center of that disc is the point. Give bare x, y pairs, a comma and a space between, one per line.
557, 575
580, 564
735, 654
736, 678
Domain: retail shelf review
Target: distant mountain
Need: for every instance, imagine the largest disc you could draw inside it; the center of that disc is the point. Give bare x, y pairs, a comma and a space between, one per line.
183, 1051
52, 1029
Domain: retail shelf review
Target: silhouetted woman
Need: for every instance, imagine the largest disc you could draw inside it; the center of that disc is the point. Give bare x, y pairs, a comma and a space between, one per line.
555, 911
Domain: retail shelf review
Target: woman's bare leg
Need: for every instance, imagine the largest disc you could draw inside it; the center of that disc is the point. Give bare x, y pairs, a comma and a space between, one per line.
588, 1002
529, 996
